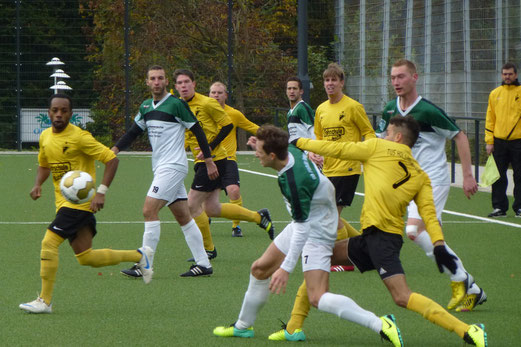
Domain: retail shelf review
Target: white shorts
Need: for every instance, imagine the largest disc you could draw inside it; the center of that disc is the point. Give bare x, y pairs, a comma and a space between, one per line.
168, 185
439, 194
315, 255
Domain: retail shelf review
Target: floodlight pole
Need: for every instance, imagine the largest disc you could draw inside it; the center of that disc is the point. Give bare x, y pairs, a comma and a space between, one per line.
302, 43
18, 82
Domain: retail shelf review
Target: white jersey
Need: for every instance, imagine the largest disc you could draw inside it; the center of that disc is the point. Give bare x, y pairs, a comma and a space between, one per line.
166, 122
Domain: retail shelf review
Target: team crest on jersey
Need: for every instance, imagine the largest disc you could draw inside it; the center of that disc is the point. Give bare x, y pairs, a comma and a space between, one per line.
341, 116
146, 106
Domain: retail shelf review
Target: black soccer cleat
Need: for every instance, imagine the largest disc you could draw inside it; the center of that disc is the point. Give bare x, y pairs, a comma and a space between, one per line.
237, 232
497, 213
198, 270
133, 272
211, 255
266, 223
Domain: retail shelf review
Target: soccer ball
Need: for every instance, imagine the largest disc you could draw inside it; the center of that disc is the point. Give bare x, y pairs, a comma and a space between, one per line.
77, 186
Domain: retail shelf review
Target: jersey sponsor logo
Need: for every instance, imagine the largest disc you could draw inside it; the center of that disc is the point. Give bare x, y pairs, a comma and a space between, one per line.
59, 169
334, 133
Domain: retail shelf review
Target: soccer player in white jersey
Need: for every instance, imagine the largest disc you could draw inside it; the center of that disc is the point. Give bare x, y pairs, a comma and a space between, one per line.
310, 198
166, 118
436, 127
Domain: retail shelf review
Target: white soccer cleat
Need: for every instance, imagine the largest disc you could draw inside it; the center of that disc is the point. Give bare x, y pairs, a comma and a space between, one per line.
36, 306
144, 264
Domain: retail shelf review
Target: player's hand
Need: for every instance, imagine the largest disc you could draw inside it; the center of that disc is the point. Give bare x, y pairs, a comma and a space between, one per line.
211, 169
470, 186
445, 259
36, 192
200, 155
98, 202
278, 281
490, 149
252, 142
317, 159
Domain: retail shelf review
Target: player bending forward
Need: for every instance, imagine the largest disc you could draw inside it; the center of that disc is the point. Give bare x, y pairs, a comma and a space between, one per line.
310, 198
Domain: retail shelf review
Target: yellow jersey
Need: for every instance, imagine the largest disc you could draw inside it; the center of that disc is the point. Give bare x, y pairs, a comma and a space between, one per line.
239, 121
212, 118
392, 178
71, 149
344, 121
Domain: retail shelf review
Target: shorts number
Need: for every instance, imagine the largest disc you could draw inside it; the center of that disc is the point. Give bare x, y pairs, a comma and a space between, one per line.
404, 178
306, 259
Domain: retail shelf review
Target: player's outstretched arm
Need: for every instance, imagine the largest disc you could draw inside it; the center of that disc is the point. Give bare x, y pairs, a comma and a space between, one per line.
41, 176
98, 202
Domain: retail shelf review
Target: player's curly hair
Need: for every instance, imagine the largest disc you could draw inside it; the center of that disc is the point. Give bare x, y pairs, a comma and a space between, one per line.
275, 140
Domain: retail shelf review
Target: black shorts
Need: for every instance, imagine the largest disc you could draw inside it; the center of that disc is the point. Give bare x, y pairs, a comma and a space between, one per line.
69, 221
232, 174
345, 188
202, 182
376, 250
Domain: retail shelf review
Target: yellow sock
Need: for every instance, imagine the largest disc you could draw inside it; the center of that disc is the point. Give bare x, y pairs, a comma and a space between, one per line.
300, 310
49, 263
202, 222
232, 211
351, 232
436, 314
106, 257
237, 202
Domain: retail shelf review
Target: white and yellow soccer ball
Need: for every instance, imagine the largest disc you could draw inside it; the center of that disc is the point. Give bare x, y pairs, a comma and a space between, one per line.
77, 186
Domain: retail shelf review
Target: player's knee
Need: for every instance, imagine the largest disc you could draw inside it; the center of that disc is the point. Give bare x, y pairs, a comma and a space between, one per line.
233, 192
258, 271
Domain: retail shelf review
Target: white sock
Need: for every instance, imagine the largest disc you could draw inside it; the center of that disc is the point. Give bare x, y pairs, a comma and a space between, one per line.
194, 240
347, 309
424, 241
151, 237
254, 298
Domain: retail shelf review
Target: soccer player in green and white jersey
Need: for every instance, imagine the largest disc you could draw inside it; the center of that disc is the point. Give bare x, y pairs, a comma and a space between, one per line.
300, 117
310, 198
166, 118
436, 127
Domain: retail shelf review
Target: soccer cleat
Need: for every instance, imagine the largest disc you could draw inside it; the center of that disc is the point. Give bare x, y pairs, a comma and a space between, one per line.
232, 331
390, 331
476, 335
518, 213
498, 213
198, 270
133, 272
342, 268
36, 306
211, 255
266, 223
472, 300
283, 335
459, 289
237, 232
144, 264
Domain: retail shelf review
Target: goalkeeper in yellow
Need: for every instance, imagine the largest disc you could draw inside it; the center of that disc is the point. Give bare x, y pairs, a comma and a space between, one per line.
392, 178
65, 147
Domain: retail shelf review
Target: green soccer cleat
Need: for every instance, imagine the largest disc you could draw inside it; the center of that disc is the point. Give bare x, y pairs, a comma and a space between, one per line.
283, 335
232, 331
472, 300
476, 335
390, 331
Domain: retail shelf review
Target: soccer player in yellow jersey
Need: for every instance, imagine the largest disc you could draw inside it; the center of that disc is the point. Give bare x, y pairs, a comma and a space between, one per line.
65, 147
392, 178
204, 191
232, 183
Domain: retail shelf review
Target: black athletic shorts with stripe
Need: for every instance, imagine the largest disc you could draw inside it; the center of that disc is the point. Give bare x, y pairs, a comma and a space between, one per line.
69, 221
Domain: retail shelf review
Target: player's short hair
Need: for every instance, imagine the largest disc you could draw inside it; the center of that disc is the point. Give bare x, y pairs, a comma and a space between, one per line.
508, 66
60, 96
407, 63
295, 79
185, 72
334, 70
409, 128
219, 83
154, 67
275, 140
